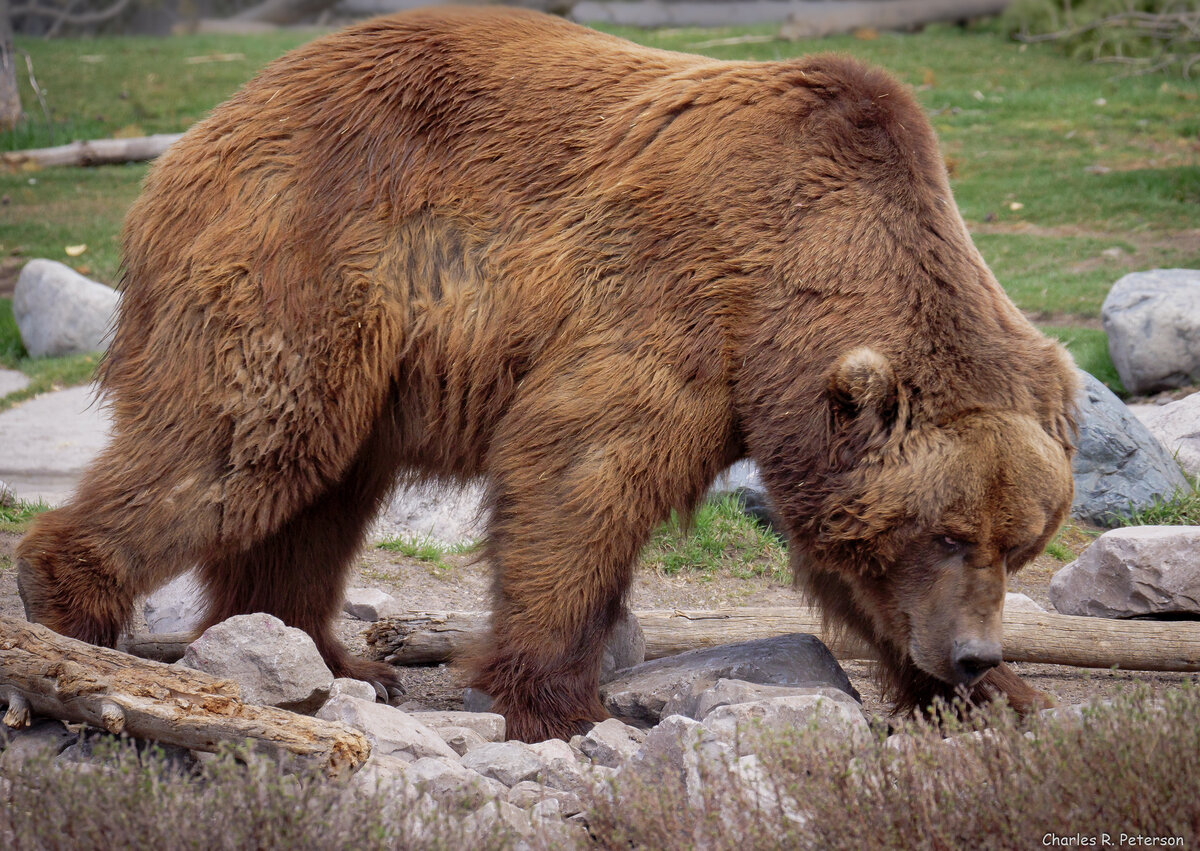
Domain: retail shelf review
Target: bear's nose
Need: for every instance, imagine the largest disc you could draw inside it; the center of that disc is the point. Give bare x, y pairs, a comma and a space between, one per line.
974, 658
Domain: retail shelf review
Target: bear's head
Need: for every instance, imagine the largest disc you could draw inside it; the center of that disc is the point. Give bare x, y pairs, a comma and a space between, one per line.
923, 518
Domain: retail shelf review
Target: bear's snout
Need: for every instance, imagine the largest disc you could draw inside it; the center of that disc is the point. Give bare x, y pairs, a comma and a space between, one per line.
973, 658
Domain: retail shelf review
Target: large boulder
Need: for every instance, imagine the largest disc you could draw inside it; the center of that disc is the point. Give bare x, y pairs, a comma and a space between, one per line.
642, 692
1119, 466
1177, 427
1139, 570
177, 606
1153, 324
60, 312
273, 664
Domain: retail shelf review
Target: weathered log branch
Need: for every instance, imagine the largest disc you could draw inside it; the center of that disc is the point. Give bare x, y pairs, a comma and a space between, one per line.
95, 152
415, 638
816, 19
46, 674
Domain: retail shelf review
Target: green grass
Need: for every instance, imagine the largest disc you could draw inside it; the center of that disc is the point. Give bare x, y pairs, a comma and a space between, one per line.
46, 374
15, 518
718, 537
1183, 509
1089, 347
426, 549
1057, 549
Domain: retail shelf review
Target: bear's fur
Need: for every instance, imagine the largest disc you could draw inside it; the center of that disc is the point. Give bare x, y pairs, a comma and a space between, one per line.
464, 243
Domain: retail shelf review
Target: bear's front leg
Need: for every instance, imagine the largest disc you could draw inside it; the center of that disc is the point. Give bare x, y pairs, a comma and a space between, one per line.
593, 454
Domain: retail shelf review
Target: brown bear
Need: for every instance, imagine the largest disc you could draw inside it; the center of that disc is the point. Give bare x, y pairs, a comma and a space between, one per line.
487, 243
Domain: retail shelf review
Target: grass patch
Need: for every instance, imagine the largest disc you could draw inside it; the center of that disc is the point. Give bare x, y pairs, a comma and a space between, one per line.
1059, 550
719, 537
1089, 347
426, 549
1129, 767
47, 374
1183, 509
16, 516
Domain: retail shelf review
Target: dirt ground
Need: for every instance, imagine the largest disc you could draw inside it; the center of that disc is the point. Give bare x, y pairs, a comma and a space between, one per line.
463, 585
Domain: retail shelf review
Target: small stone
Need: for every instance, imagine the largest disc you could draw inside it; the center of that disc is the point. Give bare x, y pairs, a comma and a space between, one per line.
626, 646
529, 793
475, 700
560, 766
461, 739
832, 714
357, 689
450, 783
611, 742
1021, 603
368, 604
507, 762
273, 664
488, 725
42, 738
390, 731
177, 606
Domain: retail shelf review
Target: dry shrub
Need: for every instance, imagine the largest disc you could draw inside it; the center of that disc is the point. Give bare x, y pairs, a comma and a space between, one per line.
1130, 767
138, 798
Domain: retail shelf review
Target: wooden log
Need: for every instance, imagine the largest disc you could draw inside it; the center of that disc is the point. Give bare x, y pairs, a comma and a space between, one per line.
94, 152
817, 19
420, 637
68, 679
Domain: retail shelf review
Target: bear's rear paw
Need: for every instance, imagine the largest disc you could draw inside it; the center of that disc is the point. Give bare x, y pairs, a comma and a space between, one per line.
384, 677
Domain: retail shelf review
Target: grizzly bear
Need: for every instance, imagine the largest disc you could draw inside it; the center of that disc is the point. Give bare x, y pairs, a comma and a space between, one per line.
488, 243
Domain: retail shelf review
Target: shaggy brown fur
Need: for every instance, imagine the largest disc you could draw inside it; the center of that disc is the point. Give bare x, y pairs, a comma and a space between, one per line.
459, 243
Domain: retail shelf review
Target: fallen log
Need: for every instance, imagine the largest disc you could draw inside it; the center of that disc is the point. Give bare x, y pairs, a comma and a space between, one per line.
93, 152
419, 637
44, 673
818, 19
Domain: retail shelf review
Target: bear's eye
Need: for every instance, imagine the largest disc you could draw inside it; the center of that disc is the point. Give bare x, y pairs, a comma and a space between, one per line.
954, 546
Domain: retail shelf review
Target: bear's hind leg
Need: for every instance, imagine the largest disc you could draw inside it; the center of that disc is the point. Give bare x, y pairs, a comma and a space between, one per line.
298, 572
140, 516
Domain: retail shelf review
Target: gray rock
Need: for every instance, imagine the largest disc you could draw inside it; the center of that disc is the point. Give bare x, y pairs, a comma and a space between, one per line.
1177, 427
475, 700
529, 793
489, 725
177, 606
451, 783
390, 731
461, 739
560, 767
352, 688
46, 738
697, 702
626, 646
274, 664
444, 513
1139, 570
369, 604
498, 816
1153, 324
1119, 466
59, 311
384, 774
11, 381
611, 742
679, 751
833, 713
1021, 603
507, 762
641, 693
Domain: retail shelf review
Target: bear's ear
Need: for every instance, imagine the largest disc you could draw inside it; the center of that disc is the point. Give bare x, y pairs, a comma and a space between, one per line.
865, 402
